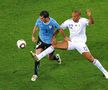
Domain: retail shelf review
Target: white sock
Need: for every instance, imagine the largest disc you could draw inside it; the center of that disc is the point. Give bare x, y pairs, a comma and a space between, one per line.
45, 52
100, 67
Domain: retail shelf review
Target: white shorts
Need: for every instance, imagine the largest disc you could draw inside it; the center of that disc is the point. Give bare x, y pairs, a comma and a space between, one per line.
79, 46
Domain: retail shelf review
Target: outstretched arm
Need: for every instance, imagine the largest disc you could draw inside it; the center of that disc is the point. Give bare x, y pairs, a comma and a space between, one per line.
91, 20
63, 34
61, 31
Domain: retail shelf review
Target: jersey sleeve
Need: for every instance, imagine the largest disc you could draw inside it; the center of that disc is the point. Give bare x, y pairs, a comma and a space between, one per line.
85, 21
64, 25
57, 26
37, 23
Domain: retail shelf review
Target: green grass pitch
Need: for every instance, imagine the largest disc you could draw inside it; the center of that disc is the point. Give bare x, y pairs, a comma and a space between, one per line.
17, 18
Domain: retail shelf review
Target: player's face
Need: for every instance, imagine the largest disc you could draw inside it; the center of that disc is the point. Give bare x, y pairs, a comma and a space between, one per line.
43, 19
75, 17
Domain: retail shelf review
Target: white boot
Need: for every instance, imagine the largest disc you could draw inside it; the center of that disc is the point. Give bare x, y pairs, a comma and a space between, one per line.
34, 78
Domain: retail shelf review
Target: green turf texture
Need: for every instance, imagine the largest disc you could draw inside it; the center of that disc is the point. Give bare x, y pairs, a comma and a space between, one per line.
17, 18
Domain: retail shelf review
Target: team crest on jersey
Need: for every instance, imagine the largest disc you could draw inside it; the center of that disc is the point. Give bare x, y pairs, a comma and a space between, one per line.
50, 26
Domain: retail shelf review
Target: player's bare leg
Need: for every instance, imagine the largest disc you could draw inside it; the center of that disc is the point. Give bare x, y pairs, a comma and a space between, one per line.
59, 45
36, 67
90, 58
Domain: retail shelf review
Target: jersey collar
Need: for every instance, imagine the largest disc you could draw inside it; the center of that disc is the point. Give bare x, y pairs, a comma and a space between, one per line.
47, 22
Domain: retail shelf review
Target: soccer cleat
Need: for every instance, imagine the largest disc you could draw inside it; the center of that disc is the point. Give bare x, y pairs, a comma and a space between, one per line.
34, 78
34, 56
59, 59
106, 75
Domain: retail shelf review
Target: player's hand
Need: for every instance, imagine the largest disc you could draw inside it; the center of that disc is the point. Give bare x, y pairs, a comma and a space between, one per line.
88, 12
53, 41
34, 40
67, 39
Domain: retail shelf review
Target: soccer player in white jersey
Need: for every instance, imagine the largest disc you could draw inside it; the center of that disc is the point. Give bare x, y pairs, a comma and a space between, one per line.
77, 40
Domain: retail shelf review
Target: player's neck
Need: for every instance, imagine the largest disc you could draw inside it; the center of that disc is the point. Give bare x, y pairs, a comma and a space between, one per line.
76, 21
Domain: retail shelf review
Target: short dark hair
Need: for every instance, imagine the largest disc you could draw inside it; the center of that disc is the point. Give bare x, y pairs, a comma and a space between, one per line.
77, 11
44, 13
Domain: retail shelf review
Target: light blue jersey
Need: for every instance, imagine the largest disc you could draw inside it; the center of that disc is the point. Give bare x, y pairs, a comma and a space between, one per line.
47, 29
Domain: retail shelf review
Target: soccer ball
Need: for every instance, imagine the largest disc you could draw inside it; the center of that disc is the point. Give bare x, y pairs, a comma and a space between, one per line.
21, 43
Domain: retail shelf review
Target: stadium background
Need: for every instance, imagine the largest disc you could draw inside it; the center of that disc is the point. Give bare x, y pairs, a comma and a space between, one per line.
17, 18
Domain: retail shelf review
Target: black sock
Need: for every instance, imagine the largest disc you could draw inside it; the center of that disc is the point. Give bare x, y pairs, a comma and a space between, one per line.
36, 68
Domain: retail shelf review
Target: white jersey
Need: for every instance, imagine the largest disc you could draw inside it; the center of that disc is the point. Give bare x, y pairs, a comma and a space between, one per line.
77, 29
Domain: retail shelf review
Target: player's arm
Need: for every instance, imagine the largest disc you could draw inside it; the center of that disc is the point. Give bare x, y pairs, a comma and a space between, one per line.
63, 26
57, 31
63, 34
91, 20
34, 33
61, 31
55, 34
53, 41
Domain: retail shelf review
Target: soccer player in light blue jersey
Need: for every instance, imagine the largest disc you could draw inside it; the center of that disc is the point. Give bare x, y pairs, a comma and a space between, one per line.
48, 28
